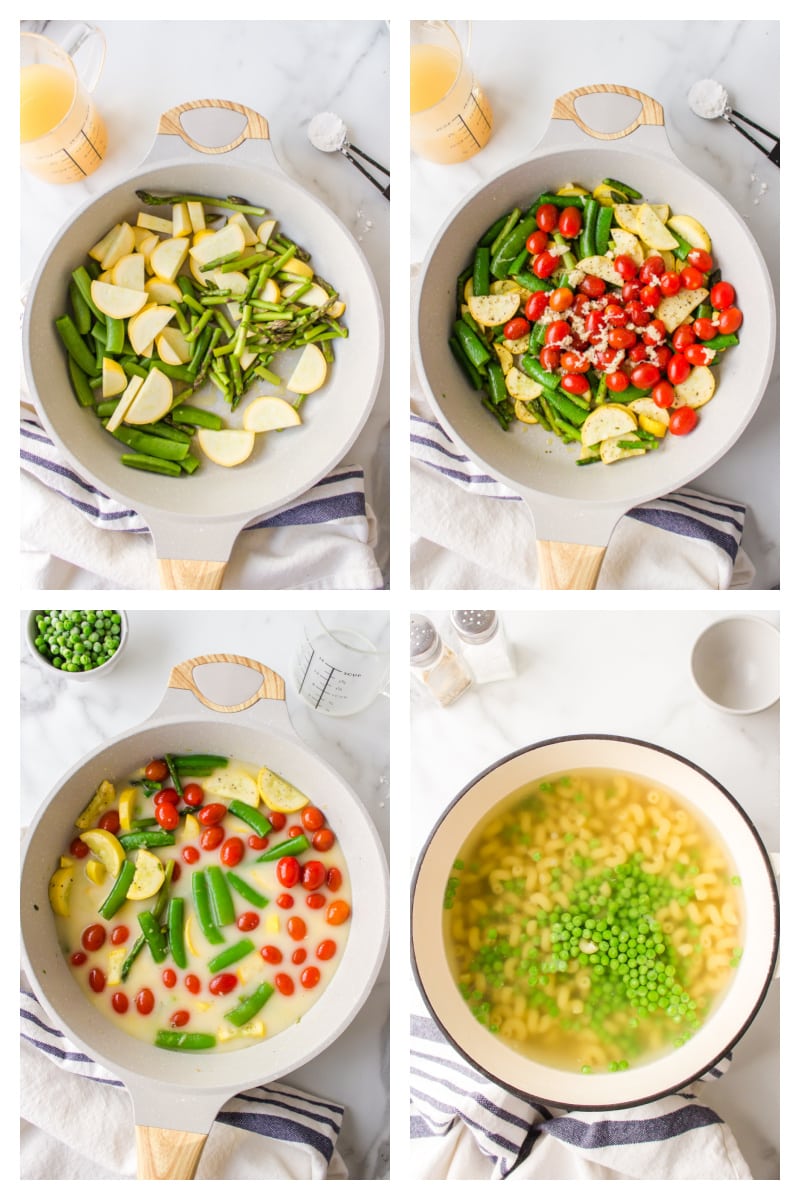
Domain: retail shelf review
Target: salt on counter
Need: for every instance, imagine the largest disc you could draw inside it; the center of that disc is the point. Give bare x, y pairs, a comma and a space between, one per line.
707, 98
327, 132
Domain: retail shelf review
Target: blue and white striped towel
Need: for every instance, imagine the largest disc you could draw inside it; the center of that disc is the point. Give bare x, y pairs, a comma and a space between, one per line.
73, 534
463, 1126
77, 1121
684, 540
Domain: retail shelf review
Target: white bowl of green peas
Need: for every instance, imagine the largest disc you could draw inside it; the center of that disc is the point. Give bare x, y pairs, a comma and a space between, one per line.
77, 643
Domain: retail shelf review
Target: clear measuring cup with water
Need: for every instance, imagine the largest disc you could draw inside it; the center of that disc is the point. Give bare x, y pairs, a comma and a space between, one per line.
339, 671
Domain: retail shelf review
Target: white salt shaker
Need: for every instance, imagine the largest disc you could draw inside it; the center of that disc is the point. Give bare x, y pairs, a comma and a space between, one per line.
433, 664
483, 644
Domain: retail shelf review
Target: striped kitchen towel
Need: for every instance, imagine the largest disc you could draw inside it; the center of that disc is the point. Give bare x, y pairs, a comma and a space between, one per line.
462, 536
77, 1121
464, 1126
72, 532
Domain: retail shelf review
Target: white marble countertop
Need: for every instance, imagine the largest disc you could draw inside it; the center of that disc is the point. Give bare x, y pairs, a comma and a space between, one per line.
525, 65
73, 718
286, 70
640, 686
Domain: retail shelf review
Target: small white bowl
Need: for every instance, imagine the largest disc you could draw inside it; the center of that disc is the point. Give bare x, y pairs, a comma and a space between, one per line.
31, 631
736, 664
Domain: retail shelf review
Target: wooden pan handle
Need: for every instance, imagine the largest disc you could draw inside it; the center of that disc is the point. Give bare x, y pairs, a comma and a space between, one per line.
256, 126
651, 112
567, 566
167, 1153
179, 574
272, 686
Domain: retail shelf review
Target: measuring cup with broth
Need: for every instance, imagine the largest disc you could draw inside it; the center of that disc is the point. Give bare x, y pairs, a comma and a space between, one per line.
62, 136
451, 117
338, 671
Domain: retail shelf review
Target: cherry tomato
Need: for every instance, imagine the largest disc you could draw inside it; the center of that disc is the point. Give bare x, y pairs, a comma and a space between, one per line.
93, 937
223, 983
654, 333
287, 871
615, 315
576, 384
277, 820
557, 331
550, 357
167, 815
645, 375
637, 313
571, 361
313, 873
176, 871
294, 831
637, 353
323, 840
271, 954
145, 1001
592, 287
109, 821
284, 984
119, 1002
517, 327
544, 265
326, 949
699, 356
212, 814
691, 278
232, 852
607, 358
682, 421
338, 912
683, 336
570, 222
730, 319
309, 978
663, 394
622, 339
247, 921
537, 303
704, 329
561, 299
650, 295
284, 900
299, 956
193, 794
77, 959
631, 289
156, 771
537, 242
97, 979
168, 977
678, 368
166, 796
334, 879
296, 928
723, 294
652, 268
192, 984
179, 1018
595, 322
625, 267
661, 356
190, 854
700, 259
212, 838
78, 849
315, 900
119, 935
670, 283
547, 217
257, 843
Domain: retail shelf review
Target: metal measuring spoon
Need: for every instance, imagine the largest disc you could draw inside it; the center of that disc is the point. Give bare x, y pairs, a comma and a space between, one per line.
709, 99
328, 132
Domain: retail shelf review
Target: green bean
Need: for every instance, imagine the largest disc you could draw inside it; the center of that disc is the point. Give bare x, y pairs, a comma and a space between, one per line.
531, 366
630, 393
721, 341
684, 248
586, 240
80, 384
602, 231
81, 312
145, 462
133, 954
532, 283
115, 335
251, 816
625, 188
293, 846
507, 225
198, 764
585, 462
231, 954
471, 344
74, 344
249, 1006
202, 905
153, 447
480, 272
472, 373
175, 937
188, 415
562, 201
119, 891
83, 282
245, 890
160, 906
177, 1039
510, 247
153, 936
146, 839
566, 408
496, 383
222, 910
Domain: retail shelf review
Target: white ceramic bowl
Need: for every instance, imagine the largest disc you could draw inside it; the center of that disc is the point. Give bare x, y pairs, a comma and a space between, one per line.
736, 664
31, 630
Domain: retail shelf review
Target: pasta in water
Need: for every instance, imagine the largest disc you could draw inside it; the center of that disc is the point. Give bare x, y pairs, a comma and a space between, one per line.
592, 921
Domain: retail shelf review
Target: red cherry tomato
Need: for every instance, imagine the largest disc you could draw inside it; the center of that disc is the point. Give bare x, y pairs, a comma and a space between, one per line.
334, 879
119, 1002
309, 977
284, 984
212, 838
190, 854
576, 384
271, 954
296, 928
299, 956
156, 771
625, 267
547, 217
550, 357
570, 222
561, 299
247, 921
573, 362
294, 831
691, 278
212, 814
537, 242
167, 815
119, 935
615, 315
544, 265
557, 331
699, 356
663, 394
652, 268
631, 289
223, 983
683, 336
650, 295
704, 329
517, 327
93, 937
78, 958
277, 820
232, 852
192, 984
592, 287
723, 294
193, 794
682, 421
537, 303
678, 368
730, 319
179, 1018
313, 874
168, 977
700, 259
145, 1001
645, 375
637, 353
326, 949
661, 356
284, 900
315, 900
654, 333
78, 849
97, 979
338, 912
166, 796
257, 843
323, 839
176, 870
287, 871
109, 821
622, 339
670, 283
637, 312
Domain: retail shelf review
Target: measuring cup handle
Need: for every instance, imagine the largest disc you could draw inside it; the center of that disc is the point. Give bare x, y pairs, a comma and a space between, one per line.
80, 35
272, 686
256, 127
651, 111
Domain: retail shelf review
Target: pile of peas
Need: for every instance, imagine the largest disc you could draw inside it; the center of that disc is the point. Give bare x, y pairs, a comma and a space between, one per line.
78, 639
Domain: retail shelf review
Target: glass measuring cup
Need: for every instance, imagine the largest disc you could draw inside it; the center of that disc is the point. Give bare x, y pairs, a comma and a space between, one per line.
451, 117
338, 671
62, 136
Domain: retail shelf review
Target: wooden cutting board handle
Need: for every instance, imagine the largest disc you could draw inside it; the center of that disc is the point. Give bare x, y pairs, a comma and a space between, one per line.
179, 574
565, 565
167, 1153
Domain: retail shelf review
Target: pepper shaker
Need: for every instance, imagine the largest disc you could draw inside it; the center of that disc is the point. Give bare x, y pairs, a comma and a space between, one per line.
483, 644
438, 668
